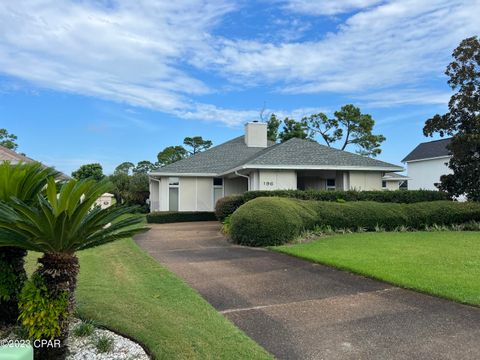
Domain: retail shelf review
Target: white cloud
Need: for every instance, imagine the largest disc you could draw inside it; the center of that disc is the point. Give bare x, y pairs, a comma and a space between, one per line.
402, 43
328, 7
148, 53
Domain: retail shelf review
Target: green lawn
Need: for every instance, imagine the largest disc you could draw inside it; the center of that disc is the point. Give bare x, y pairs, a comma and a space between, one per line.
446, 264
122, 288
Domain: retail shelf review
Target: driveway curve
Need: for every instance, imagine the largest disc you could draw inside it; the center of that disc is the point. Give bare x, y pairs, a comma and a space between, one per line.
299, 310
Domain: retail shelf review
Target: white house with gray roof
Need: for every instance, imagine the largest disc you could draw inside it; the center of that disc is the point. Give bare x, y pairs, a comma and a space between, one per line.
251, 162
427, 163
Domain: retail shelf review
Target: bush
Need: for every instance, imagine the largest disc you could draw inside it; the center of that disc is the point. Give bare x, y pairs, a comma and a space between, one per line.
397, 196
227, 205
274, 221
162, 217
42, 315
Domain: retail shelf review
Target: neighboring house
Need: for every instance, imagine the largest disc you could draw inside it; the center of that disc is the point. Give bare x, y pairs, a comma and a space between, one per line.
426, 163
105, 200
12, 156
250, 162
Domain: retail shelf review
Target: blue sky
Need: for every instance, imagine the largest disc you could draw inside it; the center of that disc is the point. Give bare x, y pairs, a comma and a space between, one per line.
111, 81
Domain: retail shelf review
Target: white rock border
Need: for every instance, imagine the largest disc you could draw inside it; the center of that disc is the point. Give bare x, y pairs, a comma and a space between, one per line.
83, 348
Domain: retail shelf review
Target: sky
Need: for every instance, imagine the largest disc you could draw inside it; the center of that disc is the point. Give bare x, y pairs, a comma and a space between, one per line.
109, 81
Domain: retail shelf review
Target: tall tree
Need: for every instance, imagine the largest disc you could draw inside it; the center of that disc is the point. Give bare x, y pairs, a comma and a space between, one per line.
8, 140
143, 167
350, 127
462, 122
293, 129
171, 154
272, 127
124, 168
89, 171
197, 144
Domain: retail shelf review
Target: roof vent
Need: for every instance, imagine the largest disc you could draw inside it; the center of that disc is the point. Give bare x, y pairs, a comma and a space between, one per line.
256, 134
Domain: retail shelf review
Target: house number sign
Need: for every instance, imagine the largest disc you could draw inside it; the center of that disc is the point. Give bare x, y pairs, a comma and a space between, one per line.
268, 183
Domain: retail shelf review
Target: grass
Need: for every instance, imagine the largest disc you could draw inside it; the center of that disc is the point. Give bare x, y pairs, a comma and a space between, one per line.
122, 288
445, 264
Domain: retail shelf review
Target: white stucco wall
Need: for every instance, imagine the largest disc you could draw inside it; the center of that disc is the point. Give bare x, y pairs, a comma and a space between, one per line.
204, 194
365, 180
425, 173
154, 195
276, 180
187, 194
392, 185
236, 185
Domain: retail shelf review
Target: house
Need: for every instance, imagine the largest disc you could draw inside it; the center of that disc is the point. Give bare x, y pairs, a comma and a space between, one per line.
251, 162
426, 163
105, 200
393, 181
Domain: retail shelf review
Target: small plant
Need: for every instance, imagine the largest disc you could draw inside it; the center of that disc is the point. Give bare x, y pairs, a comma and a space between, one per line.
379, 228
226, 225
103, 344
84, 329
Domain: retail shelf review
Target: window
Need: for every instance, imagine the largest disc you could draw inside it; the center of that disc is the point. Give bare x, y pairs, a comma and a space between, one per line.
331, 184
384, 184
217, 189
173, 185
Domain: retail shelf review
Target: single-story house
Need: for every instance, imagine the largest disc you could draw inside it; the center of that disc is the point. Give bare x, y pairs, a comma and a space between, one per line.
251, 162
426, 163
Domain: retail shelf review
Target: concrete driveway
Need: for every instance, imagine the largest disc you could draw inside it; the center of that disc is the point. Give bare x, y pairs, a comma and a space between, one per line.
299, 310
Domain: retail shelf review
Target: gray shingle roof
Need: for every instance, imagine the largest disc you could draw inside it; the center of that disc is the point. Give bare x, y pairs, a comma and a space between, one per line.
215, 160
429, 150
394, 176
299, 152
294, 152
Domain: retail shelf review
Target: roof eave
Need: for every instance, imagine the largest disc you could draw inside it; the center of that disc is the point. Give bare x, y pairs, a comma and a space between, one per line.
316, 167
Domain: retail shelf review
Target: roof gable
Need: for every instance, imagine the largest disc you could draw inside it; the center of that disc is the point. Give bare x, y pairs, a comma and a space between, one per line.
428, 150
12, 156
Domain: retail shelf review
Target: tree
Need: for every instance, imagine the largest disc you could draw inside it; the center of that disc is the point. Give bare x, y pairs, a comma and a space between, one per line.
124, 168
272, 128
293, 129
197, 144
143, 167
171, 154
462, 122
139, 190
120, 186
349, 126
24, 182
87, 171
8, 140
63, 222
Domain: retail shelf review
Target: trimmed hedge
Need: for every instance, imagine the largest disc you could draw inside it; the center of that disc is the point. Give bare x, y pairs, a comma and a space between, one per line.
162, 217
273, 221
229, 204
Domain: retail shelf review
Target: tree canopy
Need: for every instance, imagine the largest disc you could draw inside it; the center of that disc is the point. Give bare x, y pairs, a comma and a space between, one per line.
8, 140
462, 122
196, 144
172, 154
89, 171
348, 127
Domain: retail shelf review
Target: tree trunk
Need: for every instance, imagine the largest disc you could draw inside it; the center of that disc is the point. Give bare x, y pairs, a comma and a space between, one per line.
59, 272
12, 278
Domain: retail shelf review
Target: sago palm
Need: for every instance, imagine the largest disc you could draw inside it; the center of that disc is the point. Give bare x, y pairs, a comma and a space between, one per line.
63, 221
24, 182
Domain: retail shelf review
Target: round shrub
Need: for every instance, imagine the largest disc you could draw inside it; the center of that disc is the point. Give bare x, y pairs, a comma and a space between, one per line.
227, 205
270, 221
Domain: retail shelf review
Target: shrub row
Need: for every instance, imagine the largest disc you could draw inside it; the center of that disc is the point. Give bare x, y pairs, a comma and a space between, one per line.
229, 204
274, 221
162, 217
